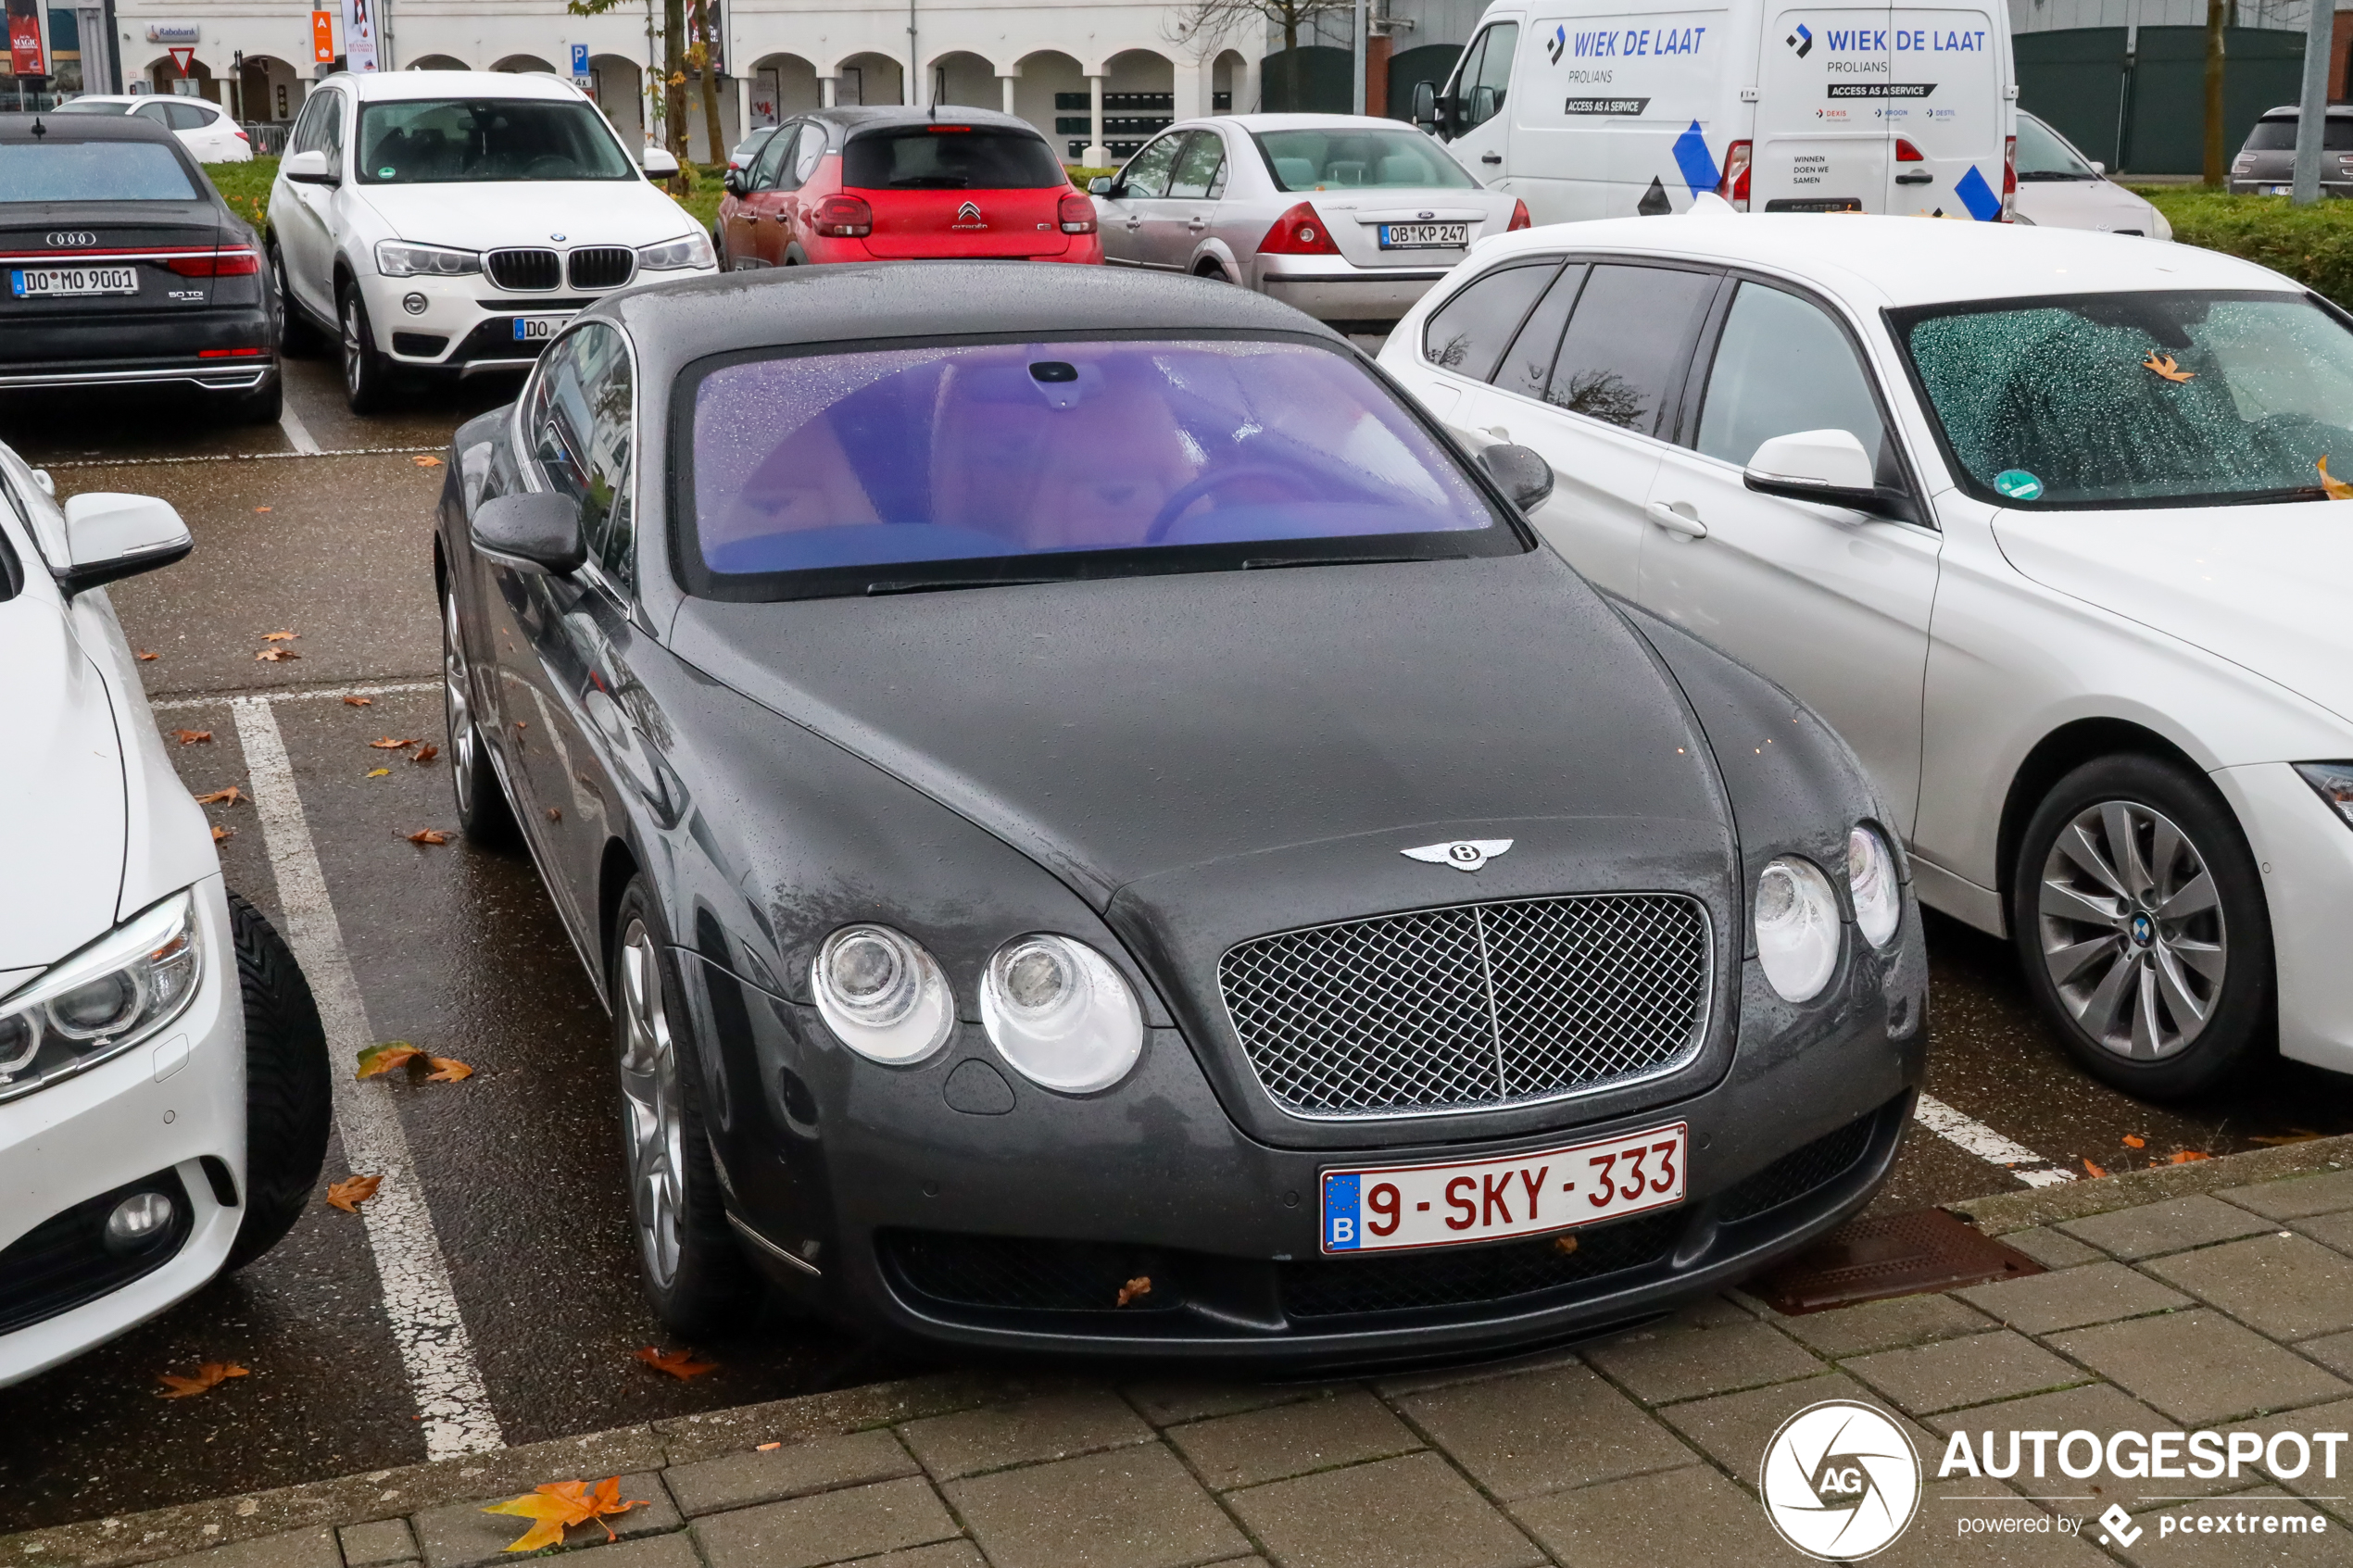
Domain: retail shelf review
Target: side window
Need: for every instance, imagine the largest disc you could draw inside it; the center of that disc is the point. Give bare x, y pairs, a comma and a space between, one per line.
331, 133
1201, 167
1146, 172
187, 117
1486, 76
770, 164
1527, 366
158, 112
808, 153
305, 134
582, 434
1782, 366
1622, 360
1467, 333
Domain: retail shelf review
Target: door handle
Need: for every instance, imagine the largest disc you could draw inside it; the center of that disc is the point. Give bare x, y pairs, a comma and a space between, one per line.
1198, 224
1684, 522
1918, 177
1490, 157
1134, 224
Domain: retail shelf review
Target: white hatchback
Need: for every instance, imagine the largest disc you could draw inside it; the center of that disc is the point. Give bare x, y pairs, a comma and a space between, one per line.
2040, 519
164, 1093
205, 129
453, 221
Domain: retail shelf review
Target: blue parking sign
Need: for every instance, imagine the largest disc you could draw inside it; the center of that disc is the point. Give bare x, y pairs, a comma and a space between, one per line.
580, 59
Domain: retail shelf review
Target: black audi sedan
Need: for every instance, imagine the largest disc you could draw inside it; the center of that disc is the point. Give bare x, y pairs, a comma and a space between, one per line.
121, 267
1102, 830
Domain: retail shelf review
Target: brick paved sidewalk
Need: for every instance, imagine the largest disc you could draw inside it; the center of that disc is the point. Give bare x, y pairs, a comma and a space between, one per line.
2221, 1308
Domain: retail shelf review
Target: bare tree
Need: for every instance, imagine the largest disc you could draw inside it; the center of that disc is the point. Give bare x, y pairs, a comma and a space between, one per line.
704, 57
1202, 25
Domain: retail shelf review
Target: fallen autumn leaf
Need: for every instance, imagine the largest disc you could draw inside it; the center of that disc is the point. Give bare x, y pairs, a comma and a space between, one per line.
379, 773
189, 737
448, 1070
148, 657
1135, 1290
221, 835
359, 702
377, 1060
426, 462
351, 1192
389, 744
2132, 1141
557, 1505
232, 796
2094, 1169
280, 637
210, 1374
428, 835
275, 656
2188, 1156
680, 1365
425, 754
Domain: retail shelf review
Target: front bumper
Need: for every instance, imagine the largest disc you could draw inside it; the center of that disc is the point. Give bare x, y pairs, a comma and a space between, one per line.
957, 1202
171, 1108
1332, 289
467, 325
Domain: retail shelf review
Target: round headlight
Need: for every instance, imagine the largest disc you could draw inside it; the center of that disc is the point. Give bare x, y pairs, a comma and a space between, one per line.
882, 994
1797, 927
1870, 878
1061, 1014
98, 1008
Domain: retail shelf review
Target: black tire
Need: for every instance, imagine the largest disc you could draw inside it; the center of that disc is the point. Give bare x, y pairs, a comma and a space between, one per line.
289, 1100
2207, 1003
485, 814
719, 248
260, 407
1213, 271
367, 375
297, 339
710, 1286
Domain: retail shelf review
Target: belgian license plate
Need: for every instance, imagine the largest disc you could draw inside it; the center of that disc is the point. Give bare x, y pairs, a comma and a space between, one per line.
1424, 237
2275, 190
538, 328
67, 283
1554, 1189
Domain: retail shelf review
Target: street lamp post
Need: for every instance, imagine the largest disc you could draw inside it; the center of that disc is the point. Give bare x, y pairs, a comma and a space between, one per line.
2312, 112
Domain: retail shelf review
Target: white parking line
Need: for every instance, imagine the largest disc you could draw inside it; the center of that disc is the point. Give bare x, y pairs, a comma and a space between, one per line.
1983, 1141
296, 432
299, 693
452, 1402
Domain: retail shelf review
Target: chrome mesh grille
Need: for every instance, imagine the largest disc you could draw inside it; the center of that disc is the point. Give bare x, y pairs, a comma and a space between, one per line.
523, 270
1473, 1006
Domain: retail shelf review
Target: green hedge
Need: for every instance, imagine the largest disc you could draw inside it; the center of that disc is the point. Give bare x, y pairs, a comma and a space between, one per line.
2313, 245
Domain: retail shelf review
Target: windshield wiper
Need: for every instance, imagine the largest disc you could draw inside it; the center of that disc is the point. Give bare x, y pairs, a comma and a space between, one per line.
1269, 563
940, 584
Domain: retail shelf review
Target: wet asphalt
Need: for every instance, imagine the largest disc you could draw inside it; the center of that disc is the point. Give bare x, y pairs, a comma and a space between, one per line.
458, 950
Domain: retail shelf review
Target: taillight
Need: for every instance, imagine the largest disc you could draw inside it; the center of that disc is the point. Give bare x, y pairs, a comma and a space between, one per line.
1298, 232
1519, 218
1078, 213
1733, 186
242, 137
2009, 178
230, 353
220, 264
1906, 153
844, 216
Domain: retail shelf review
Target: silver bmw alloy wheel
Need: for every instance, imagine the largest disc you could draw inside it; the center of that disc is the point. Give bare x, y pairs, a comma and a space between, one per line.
652, 1115
353, 369
2132, 930
458, 703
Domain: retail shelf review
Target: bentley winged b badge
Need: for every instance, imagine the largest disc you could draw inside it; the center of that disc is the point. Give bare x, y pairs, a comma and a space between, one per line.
1463, 854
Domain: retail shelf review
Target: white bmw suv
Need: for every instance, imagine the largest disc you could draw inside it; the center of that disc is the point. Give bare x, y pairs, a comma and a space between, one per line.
452, 222
164, 1087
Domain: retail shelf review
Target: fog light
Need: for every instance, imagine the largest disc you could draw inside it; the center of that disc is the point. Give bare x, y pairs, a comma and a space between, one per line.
413, 303
137, 1221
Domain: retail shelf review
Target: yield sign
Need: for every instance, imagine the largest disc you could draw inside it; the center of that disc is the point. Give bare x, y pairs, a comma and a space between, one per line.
184, 57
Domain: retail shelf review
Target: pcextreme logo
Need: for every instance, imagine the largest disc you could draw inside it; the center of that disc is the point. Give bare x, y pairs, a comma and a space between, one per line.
1841, 1481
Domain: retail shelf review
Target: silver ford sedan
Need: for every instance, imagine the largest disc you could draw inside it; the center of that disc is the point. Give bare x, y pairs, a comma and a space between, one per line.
1349, 219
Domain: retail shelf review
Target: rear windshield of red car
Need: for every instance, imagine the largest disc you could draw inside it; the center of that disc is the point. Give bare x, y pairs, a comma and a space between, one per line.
949, 157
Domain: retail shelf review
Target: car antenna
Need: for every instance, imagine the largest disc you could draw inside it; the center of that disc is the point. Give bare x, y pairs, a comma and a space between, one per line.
39, 129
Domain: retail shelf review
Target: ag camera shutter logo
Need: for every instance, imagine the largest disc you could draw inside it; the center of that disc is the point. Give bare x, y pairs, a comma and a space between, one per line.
1841, 1481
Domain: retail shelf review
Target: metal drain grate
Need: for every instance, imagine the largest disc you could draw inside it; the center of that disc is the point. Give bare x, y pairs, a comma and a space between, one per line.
1899, 1255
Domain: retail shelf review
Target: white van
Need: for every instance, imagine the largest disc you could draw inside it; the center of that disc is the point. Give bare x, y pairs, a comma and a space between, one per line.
1608, 108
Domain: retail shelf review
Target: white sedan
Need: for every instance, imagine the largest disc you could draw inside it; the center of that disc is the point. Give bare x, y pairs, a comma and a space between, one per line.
2040, 519
164, 1092
450, 222
205, 128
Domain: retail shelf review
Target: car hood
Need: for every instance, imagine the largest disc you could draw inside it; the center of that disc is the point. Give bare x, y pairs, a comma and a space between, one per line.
2100, 205
61, 774
2263, 587
529, 212
1262, 727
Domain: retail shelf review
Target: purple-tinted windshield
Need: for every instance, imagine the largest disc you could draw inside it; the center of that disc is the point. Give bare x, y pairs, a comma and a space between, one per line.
952, 453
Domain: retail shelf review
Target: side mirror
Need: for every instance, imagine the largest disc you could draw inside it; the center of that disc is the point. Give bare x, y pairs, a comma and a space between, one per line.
1829, 466
733, 181
658, 162
1424, 104
1099, 185
110, 536
1484, 105
307, 169
48, 484
2099, 168
1522, 474
529, 532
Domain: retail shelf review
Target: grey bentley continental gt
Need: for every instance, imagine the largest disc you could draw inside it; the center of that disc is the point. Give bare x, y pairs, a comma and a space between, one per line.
1101, 829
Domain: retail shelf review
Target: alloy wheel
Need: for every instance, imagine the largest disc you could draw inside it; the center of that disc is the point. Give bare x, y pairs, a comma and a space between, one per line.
457, 703
352, 367
653, 1117
2132, 930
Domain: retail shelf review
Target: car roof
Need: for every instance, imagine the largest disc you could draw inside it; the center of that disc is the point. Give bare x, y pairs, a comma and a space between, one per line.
860, 119
83, 128
375, 85
867, 304
1899, 261
2291, 111
1312, 123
